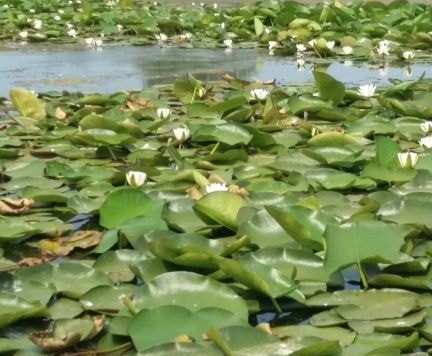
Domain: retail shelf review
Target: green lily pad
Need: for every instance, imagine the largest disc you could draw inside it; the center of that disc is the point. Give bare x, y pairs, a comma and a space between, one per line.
220, 207
362, 241
138, 203
189, 290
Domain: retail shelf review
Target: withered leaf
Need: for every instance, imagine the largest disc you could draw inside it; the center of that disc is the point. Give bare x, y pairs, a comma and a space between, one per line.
10, 206
62, 246
46, 342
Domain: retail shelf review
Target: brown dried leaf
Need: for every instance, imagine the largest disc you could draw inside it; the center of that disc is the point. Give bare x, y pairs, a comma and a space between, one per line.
194, 193
265, 327
98, 325
136, 103
48, 343
32, 261
233, 188
213, 178
14, 206
62, 246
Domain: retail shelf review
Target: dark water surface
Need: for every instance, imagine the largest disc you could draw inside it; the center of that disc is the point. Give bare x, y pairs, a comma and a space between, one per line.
115, 68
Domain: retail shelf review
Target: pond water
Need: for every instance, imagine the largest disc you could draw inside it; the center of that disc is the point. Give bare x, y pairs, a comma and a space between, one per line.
115, 68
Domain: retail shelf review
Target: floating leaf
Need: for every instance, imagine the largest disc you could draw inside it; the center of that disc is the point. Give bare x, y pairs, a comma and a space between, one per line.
137, 202
362, 241
27, 103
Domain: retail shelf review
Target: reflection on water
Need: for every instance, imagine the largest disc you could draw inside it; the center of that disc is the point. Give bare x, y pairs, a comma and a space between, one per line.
117, 68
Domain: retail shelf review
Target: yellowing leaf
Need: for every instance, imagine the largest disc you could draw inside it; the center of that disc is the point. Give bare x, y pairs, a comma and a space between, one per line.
27, 103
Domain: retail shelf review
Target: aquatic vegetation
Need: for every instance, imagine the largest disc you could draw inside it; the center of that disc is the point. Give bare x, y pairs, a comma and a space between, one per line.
109, 229
228, 217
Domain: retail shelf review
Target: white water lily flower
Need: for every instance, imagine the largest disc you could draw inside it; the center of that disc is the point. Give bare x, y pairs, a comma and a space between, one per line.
215, 6
367, 90
259, 94
426, 142
94, 42
216, 187
272, 45
186, 36
161, 37
201, 92
72, 32
119, 28
383, 48
163, 113
23, 34
408, 159
181, 134
426, 126
60, 11
37, 24
228, 43
301, 47
57, 18
32, 11
347, 50
330, 44
408, 55
136, 178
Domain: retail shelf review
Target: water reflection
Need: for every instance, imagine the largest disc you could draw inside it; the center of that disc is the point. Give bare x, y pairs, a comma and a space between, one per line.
117, 68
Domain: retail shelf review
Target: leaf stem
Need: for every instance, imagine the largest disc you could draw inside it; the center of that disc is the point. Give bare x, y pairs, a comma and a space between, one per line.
362, 276
113, 156
215, 148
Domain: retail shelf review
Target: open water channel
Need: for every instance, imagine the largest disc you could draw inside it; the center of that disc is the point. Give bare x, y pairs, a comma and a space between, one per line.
110, 69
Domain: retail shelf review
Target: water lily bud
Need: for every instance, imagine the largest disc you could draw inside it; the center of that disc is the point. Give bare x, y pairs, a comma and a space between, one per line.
408, 55
347, 50
72, 32
272, 45
161, 37
408, 159
181, 134
259, 94
330, 44
163, 113
426, 142
136, 178
216, 187
37, 24
23, 34
301, 48
426, 126
367, 90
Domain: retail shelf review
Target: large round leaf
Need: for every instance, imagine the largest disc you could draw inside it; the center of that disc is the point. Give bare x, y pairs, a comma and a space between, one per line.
221, 207
125, 204
190, 290
163, 324
362, 241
